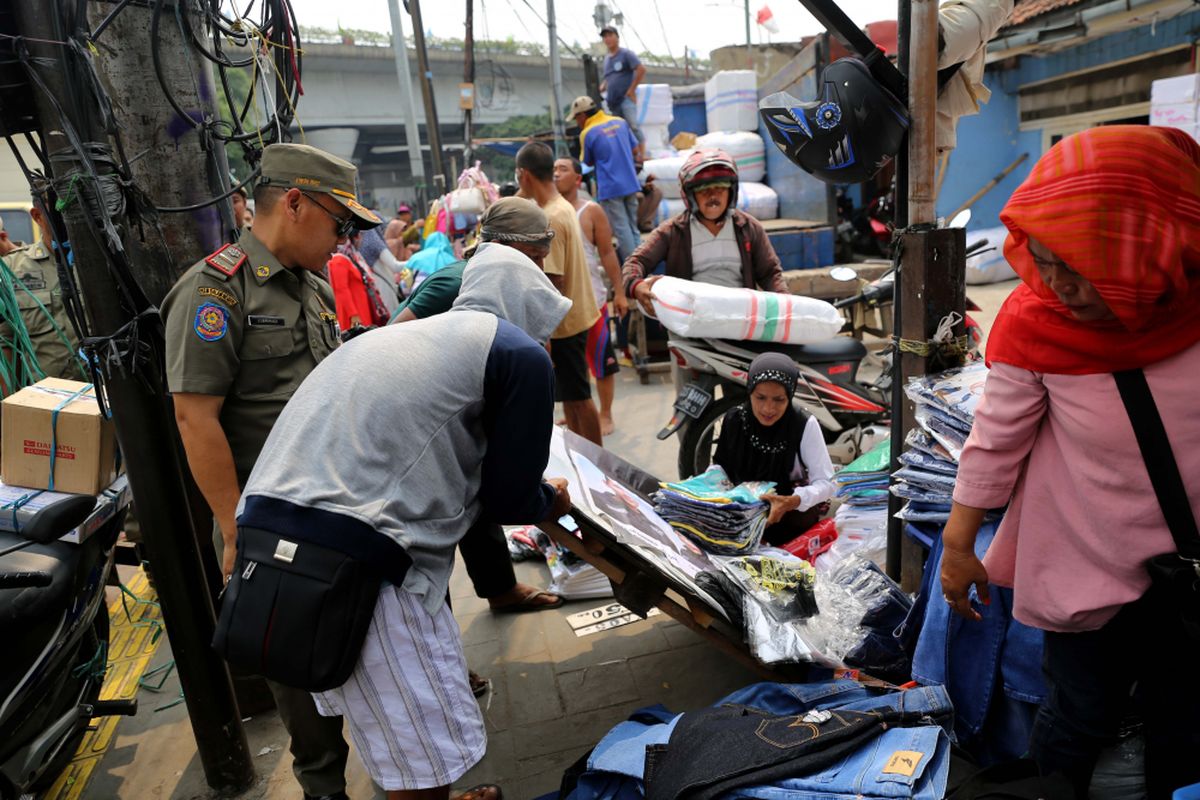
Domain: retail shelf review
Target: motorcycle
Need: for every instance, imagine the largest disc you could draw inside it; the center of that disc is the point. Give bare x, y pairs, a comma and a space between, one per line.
54, 624
853, 414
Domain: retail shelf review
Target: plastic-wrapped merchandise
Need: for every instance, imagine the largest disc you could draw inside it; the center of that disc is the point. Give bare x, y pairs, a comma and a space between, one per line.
955, 392
572, 578
758, 200
731, 100
744, 145
926, 479
860, 609
775, 579
655, 105
666, 174
861, 532
693, 309
658, 141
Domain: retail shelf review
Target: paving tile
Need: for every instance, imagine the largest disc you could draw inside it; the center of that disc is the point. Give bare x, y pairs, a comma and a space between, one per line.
498, 766
533, 696
679, 635
599, 686
688, 678
564, 733
571, 652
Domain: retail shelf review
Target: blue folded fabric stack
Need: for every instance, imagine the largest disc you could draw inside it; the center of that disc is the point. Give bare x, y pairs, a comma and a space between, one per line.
945, 411
864, 481
718, 516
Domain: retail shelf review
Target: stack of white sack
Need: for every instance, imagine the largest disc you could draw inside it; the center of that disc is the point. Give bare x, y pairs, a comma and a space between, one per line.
745, 147
731, 100
693, 309
756, 199
655, 111
665, 172
990, 265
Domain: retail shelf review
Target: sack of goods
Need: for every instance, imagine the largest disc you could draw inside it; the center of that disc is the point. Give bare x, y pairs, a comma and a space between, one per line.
666, 173
655, 106
731, 101
658, 141
990, 265
758, 200
702, 310
669, 207
745, 147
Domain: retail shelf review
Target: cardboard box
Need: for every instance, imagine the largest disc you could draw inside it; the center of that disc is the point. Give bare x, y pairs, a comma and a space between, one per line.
28, 502
66, 413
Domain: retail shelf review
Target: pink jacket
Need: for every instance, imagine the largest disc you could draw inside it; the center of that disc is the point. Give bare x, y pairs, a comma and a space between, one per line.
1083, 518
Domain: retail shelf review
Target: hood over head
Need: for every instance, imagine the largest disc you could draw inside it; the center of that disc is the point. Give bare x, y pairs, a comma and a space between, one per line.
503, 281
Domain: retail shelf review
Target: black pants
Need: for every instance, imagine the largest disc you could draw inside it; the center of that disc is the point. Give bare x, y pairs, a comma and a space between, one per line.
485, 554
1089, 679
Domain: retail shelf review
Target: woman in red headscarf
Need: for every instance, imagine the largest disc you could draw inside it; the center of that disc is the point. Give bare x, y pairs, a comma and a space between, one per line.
1105, 234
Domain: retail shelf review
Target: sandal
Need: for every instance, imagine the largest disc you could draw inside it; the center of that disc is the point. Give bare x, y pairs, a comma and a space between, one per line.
478, 792
529, 603
479, 684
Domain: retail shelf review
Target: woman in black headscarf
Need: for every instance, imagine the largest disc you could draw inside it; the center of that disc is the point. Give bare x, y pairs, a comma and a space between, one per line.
767, 439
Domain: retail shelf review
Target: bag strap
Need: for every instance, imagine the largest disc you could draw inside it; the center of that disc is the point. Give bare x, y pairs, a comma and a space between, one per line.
1160, 460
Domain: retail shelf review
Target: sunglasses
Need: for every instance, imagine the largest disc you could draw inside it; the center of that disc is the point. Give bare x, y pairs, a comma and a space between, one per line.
345, 226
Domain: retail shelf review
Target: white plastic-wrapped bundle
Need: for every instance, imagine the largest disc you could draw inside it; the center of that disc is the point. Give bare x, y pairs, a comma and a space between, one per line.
654, 104
731, 100
746, 149
665, 172
658, 141
758, 200
694, 309
668, 208
989, 266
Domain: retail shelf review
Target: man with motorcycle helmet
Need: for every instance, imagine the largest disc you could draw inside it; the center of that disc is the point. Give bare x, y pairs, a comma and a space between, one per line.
711, 241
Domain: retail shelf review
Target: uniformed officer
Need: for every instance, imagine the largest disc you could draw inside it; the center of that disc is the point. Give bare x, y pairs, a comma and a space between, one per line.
244, 327
39, 300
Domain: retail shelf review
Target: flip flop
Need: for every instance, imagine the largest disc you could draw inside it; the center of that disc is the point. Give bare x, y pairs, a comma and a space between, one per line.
475, 791
479, 684
526, 604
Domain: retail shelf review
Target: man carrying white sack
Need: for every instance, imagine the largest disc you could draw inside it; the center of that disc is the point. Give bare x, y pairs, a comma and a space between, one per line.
711, 241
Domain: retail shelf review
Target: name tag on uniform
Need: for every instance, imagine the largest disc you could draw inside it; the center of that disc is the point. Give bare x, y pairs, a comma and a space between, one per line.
34, 283
264, 321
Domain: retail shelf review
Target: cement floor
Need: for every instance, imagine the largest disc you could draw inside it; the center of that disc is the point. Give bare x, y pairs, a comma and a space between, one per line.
553, 694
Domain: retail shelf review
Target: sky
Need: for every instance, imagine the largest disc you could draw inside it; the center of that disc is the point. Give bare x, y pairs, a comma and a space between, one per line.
660, 26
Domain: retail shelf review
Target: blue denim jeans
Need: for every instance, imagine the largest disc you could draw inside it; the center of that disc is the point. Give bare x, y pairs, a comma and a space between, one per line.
615, 767
622, 216
628, 112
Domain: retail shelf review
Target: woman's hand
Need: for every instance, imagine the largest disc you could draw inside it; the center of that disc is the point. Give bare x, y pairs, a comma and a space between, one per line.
780, 505
960, 569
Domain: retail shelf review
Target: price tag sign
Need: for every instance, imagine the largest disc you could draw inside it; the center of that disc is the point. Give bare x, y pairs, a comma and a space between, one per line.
604, 618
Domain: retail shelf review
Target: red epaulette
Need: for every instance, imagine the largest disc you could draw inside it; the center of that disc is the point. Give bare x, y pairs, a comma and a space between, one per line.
227, 260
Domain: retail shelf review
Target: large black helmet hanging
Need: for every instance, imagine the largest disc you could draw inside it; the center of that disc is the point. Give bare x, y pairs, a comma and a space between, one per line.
848, 134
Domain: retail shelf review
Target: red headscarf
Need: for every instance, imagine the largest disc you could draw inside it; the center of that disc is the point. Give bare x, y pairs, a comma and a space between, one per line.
1121, 206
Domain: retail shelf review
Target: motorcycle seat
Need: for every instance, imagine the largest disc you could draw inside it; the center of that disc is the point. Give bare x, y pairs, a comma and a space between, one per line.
26, 606
839, 348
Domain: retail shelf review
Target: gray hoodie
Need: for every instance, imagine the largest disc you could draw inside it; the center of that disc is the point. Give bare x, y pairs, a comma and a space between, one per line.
469, 399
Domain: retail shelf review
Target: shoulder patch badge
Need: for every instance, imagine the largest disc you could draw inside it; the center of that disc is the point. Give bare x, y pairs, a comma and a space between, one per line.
217, 294
227, 260
263, 272
212, 321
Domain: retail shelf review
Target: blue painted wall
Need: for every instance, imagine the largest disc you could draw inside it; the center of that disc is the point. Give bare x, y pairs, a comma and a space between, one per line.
689, 117
991, 140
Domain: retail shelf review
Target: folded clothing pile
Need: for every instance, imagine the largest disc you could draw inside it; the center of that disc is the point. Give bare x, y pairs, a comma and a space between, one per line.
861, 519
571, 577
946, 404
718, 516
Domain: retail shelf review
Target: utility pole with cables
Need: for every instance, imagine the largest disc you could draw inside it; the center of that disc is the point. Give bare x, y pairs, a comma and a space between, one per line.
441, 179
412, 130
556, 90
467, 97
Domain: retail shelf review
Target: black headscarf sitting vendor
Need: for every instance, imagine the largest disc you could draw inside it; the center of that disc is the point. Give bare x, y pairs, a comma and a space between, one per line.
768, 439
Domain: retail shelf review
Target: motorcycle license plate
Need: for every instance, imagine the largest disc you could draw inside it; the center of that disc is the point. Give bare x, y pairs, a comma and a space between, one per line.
692, 401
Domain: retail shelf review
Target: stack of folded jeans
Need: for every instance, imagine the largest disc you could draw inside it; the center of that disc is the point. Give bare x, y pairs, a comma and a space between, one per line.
718, 516
945, 411
778, 742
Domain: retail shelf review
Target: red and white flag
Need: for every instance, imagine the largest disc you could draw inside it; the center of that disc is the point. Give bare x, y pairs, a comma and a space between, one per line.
767, 19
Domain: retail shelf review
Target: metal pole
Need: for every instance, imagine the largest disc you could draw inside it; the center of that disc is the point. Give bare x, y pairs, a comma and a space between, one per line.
469, 77
412, 131
922, 106
556, 113
441, 180
138, 399
749, 51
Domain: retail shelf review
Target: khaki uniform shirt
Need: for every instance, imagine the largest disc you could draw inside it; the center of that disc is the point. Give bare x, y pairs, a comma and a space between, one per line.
37, 274
249, 332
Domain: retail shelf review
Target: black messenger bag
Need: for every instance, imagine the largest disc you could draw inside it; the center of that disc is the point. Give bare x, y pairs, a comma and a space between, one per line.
295, 612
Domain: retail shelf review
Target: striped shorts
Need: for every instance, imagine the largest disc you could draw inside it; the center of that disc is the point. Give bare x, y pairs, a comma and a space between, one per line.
408, 704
